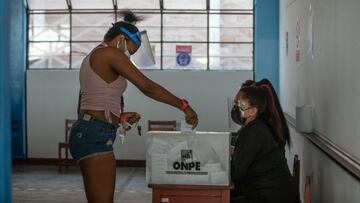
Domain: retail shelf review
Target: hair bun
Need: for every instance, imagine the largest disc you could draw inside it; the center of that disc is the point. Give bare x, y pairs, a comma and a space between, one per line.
129, 16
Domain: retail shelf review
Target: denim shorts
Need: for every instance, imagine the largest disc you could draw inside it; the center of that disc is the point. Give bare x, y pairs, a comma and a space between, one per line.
91, 137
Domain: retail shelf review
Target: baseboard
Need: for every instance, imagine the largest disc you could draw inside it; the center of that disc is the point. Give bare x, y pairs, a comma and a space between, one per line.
54, 162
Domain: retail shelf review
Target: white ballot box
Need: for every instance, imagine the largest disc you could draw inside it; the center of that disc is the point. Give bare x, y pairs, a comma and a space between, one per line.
199, 158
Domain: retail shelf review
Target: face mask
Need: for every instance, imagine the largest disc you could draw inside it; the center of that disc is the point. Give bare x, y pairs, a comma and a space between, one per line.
238, 115
126, 51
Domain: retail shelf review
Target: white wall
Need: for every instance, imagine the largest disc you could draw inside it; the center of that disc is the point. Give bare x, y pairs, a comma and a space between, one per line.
329, 82
330, 182
52, 96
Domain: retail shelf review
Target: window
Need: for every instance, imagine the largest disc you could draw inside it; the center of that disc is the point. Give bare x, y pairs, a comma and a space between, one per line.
218, 36
49, 41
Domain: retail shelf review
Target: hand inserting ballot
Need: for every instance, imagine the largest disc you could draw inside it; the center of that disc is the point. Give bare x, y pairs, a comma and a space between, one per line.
191, 117
129, 117
126, 121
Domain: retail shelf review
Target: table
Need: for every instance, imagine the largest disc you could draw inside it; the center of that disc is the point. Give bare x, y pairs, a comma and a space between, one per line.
190, 193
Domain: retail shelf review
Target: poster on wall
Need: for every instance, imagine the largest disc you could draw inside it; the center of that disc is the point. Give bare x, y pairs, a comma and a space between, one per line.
183, 56
297, 41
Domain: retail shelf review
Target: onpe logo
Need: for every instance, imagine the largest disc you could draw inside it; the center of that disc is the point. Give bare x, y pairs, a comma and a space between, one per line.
186, 155
187, 162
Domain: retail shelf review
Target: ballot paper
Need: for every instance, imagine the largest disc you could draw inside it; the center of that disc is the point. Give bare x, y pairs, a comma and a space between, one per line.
186, 128
200, 158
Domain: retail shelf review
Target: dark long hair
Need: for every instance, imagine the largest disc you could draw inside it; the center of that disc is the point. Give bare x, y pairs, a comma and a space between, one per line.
128, 23
273, 113
285, 132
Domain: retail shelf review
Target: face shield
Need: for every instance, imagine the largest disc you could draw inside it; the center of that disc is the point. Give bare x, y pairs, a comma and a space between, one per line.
143, 57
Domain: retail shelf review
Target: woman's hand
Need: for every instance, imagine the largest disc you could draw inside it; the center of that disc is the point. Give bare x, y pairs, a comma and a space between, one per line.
191, 117
129, 117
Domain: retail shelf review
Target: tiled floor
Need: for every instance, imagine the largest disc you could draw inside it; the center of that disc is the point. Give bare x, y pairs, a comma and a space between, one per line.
43, 184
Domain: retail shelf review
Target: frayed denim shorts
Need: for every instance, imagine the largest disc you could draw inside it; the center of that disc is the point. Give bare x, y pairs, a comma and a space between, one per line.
90, 137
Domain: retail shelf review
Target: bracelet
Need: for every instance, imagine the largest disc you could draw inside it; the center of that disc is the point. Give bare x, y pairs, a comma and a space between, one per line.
122, 119
184, 104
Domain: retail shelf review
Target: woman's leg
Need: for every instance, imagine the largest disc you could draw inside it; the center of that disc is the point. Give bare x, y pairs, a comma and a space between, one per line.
99, 173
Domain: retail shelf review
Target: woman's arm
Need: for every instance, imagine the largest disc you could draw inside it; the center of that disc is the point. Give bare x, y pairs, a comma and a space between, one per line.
122, 65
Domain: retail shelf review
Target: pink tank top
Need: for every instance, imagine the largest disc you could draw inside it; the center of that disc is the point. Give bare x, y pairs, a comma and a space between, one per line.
97, 94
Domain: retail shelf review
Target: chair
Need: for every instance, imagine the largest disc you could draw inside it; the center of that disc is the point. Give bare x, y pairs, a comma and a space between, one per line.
66, 162
307, 192
161, 125
296, 172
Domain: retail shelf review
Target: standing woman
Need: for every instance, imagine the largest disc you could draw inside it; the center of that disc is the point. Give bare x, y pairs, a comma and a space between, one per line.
103, 79
259, 169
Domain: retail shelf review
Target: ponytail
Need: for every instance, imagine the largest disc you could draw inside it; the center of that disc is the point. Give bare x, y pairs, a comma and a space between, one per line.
129, 21
285, 132
273, 117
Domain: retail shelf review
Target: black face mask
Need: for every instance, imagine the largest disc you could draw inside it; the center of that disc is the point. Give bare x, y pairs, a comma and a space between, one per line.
236, 115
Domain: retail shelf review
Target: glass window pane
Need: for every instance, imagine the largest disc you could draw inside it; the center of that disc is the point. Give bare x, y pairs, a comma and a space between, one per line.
231, 34
47, 55
227, 20
90, 27
92, 4
151, 23
185, 4
231, 56
47, 4
79, 51
231, 28
198, 60
185, 27
138, 4
49, 27
231, 4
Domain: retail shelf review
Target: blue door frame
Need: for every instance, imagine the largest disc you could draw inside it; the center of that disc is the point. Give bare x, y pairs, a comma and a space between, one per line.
267, 41
12, 85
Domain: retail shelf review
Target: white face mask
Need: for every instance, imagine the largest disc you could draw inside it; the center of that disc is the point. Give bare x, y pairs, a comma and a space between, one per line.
126, 51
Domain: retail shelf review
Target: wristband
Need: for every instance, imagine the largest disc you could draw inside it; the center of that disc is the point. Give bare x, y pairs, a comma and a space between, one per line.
122, 119
184, 105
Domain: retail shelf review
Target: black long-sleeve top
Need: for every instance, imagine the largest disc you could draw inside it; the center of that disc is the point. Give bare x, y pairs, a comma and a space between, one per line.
259, 168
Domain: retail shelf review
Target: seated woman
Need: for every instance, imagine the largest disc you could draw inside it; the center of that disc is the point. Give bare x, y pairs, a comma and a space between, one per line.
282, 137
259, 168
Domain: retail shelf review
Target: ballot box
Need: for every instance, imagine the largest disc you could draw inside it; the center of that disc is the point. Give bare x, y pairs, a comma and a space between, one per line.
195, 159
